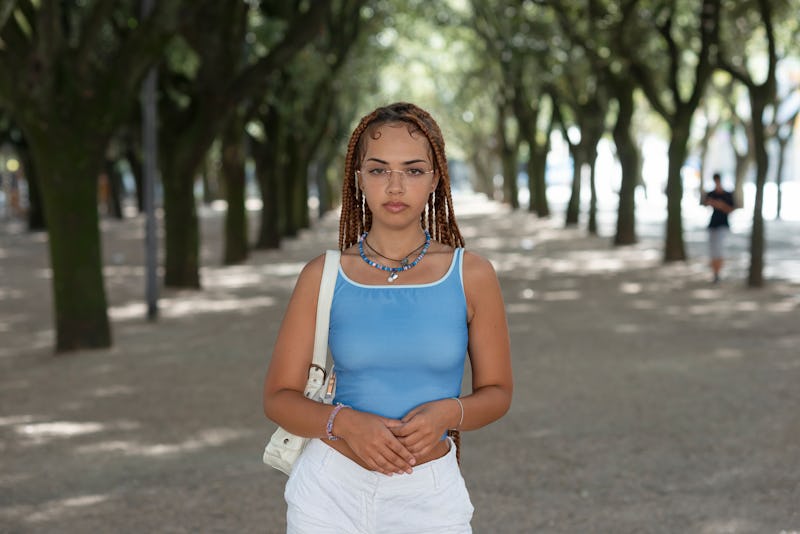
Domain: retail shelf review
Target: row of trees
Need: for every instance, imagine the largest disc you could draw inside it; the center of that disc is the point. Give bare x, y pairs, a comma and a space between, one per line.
609, 54
281, 82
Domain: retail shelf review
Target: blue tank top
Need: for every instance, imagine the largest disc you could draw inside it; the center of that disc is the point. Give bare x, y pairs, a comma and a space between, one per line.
396, 347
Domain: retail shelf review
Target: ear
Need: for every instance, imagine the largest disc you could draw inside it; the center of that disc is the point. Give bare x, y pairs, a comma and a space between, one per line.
435, 183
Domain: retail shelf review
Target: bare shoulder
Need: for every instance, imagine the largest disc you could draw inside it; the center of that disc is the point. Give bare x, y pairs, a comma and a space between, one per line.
311, 275
477, 269
481, 288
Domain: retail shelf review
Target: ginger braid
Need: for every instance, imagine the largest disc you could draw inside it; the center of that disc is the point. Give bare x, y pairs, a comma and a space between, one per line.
356, 217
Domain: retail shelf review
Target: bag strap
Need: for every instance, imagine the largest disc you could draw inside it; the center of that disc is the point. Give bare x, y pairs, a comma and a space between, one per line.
326, 285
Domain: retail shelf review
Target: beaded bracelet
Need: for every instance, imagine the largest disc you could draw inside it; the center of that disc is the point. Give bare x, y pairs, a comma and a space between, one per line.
331, 417
461, 420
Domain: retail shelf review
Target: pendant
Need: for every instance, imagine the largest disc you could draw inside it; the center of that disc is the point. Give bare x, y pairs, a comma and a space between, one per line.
404, 262
392, 277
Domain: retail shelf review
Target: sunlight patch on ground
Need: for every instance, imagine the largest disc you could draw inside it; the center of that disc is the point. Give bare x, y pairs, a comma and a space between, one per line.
630, 288
728, 353
43, 432
644, 305
58, 429
231, 278
627, 329
784, 306
282, 269
112, 391
552, 296
527, 293
729, 526
13, 420
51, 510
207, 438
10, 293
521, 307
187, 306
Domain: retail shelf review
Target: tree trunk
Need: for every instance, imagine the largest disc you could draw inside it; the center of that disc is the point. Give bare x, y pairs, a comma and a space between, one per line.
268, 155
36, 218
233, 172
537, 166
483, 175
574, 206
674, 248
182, 233
755, 276
782, 142
115, 189
134, 158
269, 235
69, 193
630, 162
593, 191
510, 187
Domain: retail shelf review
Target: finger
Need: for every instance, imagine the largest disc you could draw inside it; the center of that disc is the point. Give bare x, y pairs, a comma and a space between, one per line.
410, 415
402, 431
391, 423
401, 457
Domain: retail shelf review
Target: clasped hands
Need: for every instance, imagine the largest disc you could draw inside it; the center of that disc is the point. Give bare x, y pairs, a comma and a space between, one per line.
392, 446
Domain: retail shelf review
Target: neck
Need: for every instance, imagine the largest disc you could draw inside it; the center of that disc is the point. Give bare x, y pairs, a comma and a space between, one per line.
396, 244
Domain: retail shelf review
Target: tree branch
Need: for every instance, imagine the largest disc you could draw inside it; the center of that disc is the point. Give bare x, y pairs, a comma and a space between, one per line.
766, 15
645, 79
674, 57
49, 34
709, 31
6, 8
302, 30
91, 30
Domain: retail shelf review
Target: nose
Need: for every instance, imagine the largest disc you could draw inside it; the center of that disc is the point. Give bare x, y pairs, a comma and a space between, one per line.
393, 184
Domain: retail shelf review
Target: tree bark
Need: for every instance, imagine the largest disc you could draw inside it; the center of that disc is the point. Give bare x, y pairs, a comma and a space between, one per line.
592, 227
233, 161
674, 247
574, 205
630, 162
269, 155
182, 233
68, 176
758, 101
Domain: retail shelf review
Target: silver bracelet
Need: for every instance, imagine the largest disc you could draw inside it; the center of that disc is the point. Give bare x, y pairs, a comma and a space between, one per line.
461, 420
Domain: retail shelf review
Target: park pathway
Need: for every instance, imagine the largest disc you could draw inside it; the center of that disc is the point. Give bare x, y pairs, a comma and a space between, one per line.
647, 400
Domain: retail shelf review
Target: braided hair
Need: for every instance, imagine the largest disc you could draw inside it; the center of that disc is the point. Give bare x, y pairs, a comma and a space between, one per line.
356, 217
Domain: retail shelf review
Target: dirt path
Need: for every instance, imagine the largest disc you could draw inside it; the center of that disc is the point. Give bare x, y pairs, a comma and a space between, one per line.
647, 400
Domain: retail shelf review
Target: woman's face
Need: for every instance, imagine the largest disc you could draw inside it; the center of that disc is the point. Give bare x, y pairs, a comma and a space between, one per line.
396, 175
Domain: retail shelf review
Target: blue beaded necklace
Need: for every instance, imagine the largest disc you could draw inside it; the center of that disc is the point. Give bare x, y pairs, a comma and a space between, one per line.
404, 265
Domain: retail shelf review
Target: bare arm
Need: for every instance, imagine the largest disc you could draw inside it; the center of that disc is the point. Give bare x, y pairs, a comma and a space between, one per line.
489, 346
490, 358
368, 435
287, 374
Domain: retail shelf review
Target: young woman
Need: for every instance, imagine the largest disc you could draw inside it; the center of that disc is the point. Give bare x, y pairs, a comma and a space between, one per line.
409, 304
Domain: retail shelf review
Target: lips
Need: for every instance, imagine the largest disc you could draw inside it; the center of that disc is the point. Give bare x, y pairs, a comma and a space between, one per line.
395, 207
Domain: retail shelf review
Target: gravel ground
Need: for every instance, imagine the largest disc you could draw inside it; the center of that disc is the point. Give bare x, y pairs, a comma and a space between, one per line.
647, 399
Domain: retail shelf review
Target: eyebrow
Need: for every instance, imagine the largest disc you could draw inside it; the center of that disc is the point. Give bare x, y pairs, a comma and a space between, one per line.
409, 162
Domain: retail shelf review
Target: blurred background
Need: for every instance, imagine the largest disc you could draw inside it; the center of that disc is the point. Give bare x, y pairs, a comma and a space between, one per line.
124, 110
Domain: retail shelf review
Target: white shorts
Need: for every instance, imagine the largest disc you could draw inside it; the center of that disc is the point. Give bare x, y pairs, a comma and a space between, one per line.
329, 493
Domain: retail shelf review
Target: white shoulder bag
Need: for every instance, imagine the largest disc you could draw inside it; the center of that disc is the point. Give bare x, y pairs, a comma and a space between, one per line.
283, 448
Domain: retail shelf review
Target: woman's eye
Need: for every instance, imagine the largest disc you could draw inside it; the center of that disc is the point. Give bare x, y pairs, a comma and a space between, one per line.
414, 172
378, 172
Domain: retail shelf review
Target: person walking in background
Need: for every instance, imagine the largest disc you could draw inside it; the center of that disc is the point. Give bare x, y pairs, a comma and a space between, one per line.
718, 227
409, 305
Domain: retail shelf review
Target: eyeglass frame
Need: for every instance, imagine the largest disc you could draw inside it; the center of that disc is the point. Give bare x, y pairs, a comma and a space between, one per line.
388, 173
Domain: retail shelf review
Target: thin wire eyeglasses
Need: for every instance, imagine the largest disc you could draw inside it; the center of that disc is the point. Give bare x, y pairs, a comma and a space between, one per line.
384, 174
